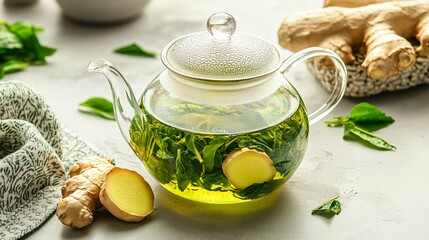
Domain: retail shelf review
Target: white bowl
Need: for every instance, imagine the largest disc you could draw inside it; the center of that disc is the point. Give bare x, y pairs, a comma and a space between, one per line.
102, 11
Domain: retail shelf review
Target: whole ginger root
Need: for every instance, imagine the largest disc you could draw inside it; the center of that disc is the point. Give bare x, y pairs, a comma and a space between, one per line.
95, 181
355, 3
382, 29
81, 191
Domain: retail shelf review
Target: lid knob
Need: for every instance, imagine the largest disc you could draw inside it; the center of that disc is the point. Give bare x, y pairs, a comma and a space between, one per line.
221, 26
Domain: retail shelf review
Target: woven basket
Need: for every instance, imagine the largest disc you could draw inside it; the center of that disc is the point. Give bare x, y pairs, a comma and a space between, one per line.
360, 85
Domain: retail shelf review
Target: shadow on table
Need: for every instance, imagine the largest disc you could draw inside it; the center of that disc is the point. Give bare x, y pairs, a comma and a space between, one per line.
105, 221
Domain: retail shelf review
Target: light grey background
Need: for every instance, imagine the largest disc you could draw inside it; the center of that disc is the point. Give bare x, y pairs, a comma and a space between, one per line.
384, 194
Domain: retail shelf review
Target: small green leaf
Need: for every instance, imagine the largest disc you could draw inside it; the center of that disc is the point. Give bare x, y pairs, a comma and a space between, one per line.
352, 132
328, 209
48, 51
98, 106
135, 50
12, 66
367, 116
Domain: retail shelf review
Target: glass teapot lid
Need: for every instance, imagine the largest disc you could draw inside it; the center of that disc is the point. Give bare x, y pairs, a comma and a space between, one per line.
219, 54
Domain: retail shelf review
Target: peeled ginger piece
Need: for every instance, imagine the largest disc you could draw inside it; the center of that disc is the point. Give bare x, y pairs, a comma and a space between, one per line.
246, 167
127, 195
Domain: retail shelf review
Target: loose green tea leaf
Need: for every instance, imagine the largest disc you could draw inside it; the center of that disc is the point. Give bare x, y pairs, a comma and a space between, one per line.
188, 170
328, 209
20, 47
135, 50
352, 132
363, 119
258, 190
190, 143
209, 152
98, 106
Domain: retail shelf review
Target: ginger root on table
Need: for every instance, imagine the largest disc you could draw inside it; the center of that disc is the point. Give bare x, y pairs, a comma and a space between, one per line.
95, 181
356, 3
81, 191
382, 29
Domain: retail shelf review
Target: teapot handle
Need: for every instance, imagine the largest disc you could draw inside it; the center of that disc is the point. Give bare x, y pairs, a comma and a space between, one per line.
340, 84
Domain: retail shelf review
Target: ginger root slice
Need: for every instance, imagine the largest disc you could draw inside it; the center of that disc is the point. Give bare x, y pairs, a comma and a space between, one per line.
127, 195
246, 167
81, 191
386, 54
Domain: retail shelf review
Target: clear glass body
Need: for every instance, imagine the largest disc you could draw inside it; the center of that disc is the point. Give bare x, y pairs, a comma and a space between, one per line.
191, 126
183, 129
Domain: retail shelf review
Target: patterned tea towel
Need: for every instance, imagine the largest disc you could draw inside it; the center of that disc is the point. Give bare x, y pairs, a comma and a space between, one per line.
35, 154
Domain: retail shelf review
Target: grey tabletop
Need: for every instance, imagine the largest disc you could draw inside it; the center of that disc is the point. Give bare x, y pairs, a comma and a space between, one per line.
384, 193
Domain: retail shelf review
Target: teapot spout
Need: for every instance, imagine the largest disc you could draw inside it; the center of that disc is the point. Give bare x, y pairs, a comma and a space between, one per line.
126, 108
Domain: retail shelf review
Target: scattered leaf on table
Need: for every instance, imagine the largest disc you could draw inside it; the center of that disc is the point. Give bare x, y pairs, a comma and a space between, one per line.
135, 50
98, 106
328, 209
352, 132
363, 119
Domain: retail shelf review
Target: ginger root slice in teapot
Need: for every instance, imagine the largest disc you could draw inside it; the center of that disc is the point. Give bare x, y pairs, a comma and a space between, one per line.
381, 29
246, 167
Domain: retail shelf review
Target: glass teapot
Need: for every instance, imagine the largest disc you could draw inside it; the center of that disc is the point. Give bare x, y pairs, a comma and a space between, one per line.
221, 124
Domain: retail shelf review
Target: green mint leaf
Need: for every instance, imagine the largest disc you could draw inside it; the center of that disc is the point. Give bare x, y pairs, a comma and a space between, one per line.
135, 50
328, 209
354, 133
364, 118
367, 116
27, 33
9, 42
98, 106
19, 47
12, 66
